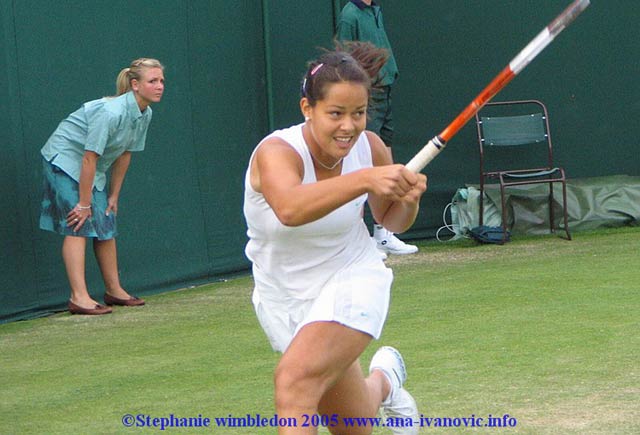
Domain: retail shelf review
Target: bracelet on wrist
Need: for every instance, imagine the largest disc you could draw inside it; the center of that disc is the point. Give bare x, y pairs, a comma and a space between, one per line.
82, 207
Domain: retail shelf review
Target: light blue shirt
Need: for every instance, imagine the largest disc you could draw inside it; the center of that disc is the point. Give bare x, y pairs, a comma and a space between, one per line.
108, 126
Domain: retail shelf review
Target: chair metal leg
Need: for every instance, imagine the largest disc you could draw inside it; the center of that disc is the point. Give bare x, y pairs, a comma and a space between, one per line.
551, 213
481, 211
566, 211
504, 214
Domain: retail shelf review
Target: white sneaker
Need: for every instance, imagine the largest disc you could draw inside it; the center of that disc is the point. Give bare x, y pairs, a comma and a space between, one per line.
383, 255
399, 405
387, 242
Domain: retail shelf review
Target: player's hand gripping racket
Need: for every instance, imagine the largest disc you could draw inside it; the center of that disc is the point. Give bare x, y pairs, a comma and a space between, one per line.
437, 144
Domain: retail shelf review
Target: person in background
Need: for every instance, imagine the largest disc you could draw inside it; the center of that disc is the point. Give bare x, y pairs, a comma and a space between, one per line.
321, 291
361, 20
98, 137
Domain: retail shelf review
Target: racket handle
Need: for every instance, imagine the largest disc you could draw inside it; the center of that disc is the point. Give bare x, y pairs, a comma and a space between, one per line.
426, 154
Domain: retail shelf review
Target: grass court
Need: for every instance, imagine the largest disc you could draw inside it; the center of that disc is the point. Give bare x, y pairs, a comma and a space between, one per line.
542, 330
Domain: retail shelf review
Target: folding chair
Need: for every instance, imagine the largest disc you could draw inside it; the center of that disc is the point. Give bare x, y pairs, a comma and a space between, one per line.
522, 126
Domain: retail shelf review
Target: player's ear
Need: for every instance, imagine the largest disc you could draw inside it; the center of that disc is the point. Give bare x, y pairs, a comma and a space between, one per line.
305, 107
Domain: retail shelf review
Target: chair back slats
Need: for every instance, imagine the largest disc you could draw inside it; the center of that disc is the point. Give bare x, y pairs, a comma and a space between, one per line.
513, 130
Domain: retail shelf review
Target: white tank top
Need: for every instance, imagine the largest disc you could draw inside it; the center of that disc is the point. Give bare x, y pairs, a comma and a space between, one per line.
300, 260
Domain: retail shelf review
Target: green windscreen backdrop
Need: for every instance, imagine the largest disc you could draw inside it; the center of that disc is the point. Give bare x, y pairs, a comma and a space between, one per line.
233, 73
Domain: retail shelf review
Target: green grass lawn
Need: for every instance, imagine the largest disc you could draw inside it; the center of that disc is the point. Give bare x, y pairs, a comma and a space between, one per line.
542, 329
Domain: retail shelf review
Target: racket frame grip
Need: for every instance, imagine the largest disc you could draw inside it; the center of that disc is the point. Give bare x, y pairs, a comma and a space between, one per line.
426, 154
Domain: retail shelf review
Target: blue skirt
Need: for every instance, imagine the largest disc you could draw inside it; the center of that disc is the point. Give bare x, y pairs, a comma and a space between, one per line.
60, 195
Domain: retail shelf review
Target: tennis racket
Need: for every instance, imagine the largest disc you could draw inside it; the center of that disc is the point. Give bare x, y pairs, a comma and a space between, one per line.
544, 38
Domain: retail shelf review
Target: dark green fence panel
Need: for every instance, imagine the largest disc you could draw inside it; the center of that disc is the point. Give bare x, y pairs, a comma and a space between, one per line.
16, 259
229, 114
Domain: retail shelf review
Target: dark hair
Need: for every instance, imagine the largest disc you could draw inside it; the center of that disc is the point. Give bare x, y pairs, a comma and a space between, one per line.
351, 61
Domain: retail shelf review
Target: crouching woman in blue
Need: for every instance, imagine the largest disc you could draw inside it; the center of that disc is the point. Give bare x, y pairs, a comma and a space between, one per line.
321, 290
97, 138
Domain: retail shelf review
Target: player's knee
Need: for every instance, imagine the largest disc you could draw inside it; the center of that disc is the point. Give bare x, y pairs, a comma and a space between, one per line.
296, 385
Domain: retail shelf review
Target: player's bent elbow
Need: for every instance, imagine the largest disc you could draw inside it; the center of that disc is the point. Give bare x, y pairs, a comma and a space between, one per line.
288, 218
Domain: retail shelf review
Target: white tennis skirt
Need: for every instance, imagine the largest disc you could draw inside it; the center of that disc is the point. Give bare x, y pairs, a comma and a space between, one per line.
357, 297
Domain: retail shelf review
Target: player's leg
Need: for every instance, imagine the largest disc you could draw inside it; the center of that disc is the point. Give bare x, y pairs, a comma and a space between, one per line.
319, 355
354, 397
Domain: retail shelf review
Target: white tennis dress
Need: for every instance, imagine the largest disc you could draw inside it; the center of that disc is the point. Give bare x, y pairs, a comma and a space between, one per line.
326, 270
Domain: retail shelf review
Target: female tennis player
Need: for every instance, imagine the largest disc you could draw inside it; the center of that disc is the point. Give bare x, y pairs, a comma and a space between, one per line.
98, 137
321, 290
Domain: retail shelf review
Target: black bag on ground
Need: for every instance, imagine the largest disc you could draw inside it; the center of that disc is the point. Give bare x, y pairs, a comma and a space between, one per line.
487, 234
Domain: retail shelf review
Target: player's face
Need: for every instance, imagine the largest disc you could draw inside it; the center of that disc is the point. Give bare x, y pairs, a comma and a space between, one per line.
150, 87
335, 122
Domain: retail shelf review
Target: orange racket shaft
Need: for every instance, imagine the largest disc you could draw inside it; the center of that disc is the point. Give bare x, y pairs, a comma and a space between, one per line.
517, 64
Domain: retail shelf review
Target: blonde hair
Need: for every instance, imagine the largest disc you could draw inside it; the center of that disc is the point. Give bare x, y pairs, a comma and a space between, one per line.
134, 72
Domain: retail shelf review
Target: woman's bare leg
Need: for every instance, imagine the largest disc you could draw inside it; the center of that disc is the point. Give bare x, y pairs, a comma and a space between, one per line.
354, 396
73, 255
107, 256
321, 365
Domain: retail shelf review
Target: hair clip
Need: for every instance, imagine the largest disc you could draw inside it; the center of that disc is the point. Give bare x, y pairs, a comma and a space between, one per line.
311, 74
316, 68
